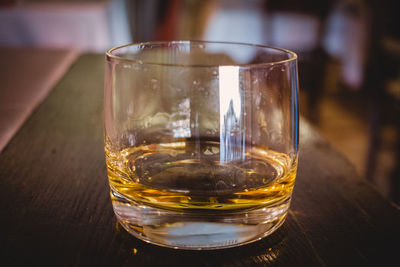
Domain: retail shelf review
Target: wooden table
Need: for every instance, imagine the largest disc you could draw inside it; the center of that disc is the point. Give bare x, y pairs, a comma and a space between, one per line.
56, 208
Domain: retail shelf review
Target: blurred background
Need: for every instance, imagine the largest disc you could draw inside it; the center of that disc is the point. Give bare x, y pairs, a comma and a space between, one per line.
349, 59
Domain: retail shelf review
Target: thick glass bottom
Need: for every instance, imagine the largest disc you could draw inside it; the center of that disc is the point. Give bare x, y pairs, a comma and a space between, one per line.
199, 229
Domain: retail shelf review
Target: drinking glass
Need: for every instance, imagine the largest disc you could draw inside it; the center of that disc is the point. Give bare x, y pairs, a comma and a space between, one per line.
201, 140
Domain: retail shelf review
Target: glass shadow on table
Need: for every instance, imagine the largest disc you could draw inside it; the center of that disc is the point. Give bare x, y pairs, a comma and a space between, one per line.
285, 247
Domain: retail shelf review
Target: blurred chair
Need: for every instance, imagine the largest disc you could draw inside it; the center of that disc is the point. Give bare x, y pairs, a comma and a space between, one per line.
383, 70
167, 20
299, 26
144, 17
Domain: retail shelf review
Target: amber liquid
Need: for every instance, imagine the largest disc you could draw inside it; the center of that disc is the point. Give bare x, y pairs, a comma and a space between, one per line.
192, 176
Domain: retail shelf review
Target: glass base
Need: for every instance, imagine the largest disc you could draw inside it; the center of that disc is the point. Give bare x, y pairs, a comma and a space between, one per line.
199, 230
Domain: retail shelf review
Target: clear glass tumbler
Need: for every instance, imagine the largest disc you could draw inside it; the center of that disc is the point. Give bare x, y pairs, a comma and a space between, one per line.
201, 140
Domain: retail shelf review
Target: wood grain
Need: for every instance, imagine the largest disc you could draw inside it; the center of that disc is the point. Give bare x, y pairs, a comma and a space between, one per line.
56, 207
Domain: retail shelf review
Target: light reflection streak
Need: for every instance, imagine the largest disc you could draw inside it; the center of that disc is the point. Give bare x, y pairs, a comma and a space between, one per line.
231, 125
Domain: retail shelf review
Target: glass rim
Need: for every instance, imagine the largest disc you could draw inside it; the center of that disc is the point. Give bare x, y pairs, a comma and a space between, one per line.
111, 57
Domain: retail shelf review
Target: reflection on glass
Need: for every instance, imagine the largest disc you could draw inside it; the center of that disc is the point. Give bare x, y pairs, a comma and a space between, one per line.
263, 252
232, 137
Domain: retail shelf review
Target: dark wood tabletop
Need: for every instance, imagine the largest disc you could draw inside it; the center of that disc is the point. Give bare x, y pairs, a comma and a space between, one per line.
56, 209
